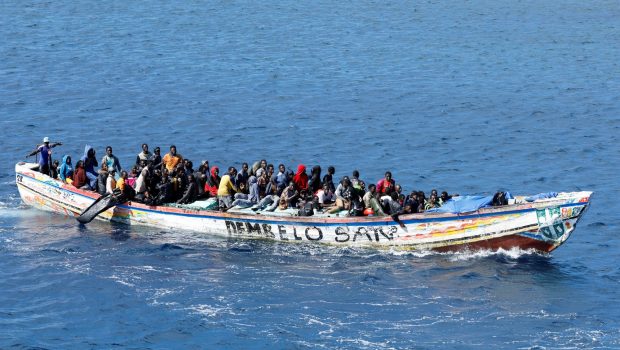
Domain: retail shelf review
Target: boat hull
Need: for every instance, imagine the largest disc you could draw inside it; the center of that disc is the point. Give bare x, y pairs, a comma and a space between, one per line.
542, 225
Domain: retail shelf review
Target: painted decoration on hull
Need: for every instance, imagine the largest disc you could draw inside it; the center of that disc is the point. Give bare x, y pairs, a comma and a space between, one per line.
542, 225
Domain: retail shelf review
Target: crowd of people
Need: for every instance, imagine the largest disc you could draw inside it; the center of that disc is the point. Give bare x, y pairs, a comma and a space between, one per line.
157, 180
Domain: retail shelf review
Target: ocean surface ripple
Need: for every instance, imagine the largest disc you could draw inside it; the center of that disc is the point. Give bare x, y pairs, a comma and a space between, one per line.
463, 97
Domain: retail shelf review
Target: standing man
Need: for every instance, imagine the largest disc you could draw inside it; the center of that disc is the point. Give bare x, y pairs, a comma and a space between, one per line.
145, 155
46, 155
171, 159
111, 160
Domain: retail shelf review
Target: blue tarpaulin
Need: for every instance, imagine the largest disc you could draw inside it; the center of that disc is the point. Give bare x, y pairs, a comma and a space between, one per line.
462, 204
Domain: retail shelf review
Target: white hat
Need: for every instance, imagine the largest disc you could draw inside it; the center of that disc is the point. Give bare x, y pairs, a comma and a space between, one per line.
46, 139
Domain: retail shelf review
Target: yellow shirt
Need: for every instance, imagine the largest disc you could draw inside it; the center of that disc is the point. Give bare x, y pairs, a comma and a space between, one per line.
120, 184
171, 161
226, 186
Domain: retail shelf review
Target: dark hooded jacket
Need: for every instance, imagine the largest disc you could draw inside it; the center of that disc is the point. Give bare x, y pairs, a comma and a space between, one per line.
90, 162
315, 180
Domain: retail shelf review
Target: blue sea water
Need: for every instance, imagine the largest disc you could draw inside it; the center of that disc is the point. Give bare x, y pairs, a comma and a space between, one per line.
467, 97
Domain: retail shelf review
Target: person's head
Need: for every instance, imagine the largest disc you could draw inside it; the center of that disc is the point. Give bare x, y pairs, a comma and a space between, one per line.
104, 167
124, 174
80, 164
245, 167
301, 169
157, 151
189, 164
356, 174
270, 169
108, 150
362, 185
434, 192
316, 170
55, 163
46, 140
90, 153
112, 173
394, 196
281, 168
165, 173
143, 163
388, 175
398, 189
372, 188
232, 171
433, 198
326, 187
173, 150
134, 170
191, 177
331, 170
444, 196
145, 148
263, 163
68, 161
345, 181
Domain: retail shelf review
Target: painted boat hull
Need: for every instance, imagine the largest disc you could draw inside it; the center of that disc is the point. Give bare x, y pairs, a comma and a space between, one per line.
541, 225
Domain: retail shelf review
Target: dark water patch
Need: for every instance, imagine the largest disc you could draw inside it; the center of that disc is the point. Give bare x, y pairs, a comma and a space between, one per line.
170, 247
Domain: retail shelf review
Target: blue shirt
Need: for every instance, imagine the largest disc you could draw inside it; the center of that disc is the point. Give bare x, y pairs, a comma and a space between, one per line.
45, 155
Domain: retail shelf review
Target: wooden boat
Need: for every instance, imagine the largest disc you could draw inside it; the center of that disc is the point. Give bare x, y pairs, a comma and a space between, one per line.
541, 225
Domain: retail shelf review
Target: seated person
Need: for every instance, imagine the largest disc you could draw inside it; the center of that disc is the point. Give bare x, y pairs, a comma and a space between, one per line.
392, 203
247, 200
65, 172
191, 192
325, 195
270, 201
54, 169
79, 176
371, 200
444, 197
213, 182
301, 178
290, 195
432, 202
344, 193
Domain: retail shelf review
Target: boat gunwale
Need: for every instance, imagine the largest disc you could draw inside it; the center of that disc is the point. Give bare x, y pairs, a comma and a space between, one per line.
323, 221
